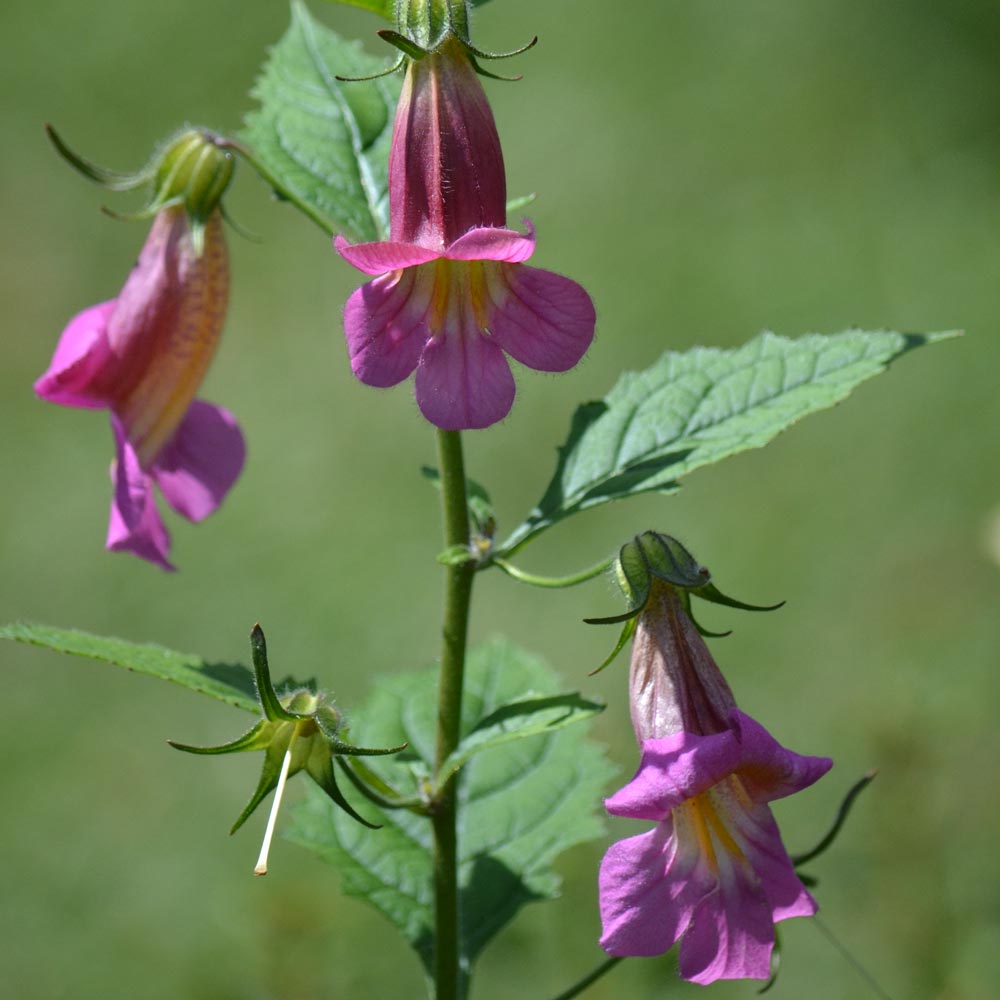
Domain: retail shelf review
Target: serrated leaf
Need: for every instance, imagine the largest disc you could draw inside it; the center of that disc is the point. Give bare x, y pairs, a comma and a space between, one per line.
695, 408
324, 142
228, 682
518, 720
523, 802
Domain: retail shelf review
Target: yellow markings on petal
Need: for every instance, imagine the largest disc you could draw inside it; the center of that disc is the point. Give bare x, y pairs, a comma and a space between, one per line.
462, 292
704, 815
441, 296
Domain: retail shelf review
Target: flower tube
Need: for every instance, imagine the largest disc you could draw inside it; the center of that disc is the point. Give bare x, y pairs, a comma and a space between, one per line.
452, 294
143, 355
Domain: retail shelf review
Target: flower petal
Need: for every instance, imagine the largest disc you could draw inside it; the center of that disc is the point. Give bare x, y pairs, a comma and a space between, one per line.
378, 258
768, 770
731, 933
201, 463
752, 827
464, 381
81, 355
541, 319
135, 525
386, 328
493, 244
648, 892
673, 770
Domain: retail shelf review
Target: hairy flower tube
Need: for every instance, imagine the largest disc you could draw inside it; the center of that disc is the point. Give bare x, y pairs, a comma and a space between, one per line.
143, 355
453, 293
713, 873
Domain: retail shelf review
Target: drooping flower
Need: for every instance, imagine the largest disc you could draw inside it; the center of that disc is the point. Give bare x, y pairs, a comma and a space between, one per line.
143, 355
713, 874
453, 293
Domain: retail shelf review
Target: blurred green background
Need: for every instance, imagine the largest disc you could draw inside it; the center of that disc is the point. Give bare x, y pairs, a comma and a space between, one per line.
707, 170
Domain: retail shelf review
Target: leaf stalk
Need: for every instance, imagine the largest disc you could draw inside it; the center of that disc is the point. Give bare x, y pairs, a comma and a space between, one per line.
552, 582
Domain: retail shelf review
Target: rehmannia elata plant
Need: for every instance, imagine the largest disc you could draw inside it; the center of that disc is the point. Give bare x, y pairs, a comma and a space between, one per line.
399, 160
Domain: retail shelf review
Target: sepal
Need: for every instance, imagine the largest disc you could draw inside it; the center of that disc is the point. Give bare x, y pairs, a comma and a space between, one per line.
423, 26
654, 559
654, 556
110, 179
429, 22
192, 169
302, 725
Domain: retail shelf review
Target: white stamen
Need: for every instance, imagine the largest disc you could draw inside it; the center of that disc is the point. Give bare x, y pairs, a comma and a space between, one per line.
261, 868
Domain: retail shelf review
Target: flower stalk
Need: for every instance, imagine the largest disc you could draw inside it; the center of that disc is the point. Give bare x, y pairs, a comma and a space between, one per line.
448, 975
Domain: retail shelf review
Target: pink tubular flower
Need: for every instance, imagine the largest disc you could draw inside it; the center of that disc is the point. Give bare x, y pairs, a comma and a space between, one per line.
713, 874
453, 293
143, 356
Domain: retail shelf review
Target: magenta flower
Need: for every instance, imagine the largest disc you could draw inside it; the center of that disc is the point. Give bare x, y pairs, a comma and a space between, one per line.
713, 874
453, 293
143, 356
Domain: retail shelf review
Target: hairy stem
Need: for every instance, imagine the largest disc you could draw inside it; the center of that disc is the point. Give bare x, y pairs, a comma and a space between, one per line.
448, 976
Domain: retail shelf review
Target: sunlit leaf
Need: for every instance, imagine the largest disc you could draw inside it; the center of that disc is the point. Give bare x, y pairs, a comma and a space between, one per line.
324, 142
695, 408
227, 682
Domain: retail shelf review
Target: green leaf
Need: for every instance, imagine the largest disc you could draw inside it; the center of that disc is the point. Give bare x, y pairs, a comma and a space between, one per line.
321, 142
523, 801
696, 408
228, 682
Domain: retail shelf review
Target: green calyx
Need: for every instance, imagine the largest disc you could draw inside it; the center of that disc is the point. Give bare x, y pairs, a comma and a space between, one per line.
302, 724
425, 26
426, 23
193, 169
655, 559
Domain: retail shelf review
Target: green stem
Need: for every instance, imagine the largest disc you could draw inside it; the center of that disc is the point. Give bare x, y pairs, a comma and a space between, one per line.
457, 596
588, 980
553, 582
